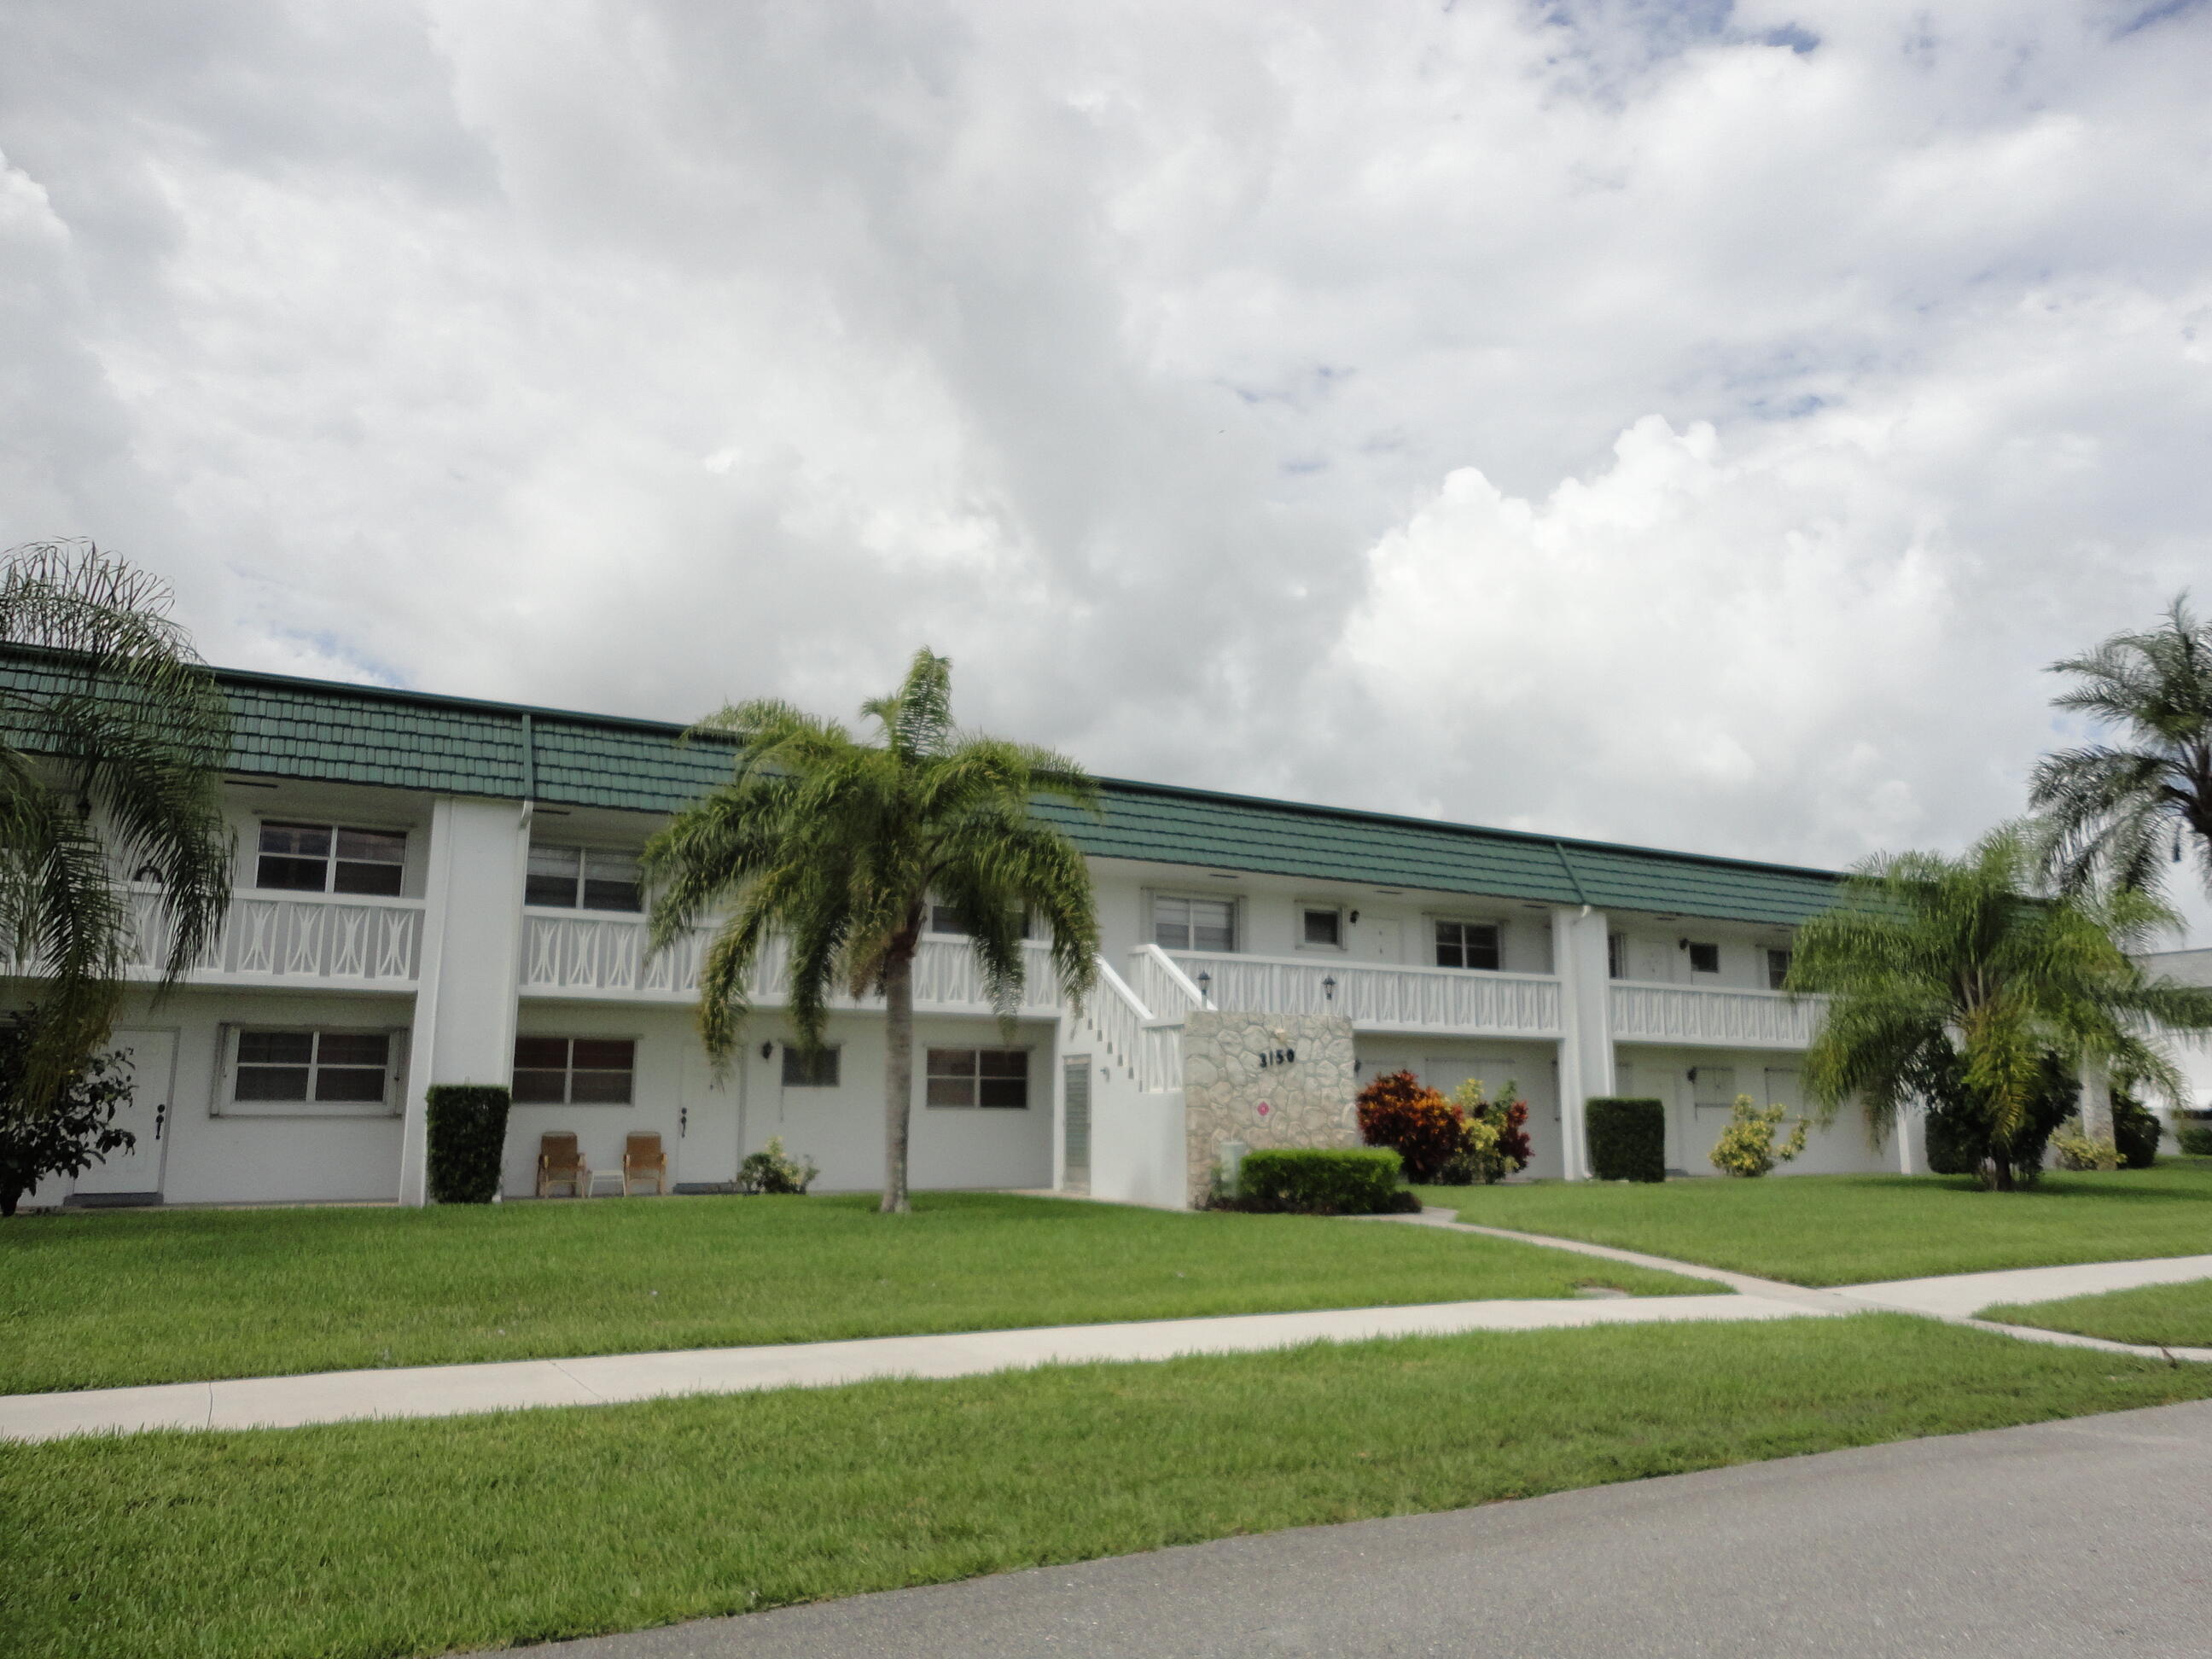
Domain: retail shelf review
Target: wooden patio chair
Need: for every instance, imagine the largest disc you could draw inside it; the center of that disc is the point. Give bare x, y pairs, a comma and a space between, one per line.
561, 1164
643, 1156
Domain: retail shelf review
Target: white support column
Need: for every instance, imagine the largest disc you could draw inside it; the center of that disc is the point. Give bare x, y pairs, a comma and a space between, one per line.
1586, 1068
470, 964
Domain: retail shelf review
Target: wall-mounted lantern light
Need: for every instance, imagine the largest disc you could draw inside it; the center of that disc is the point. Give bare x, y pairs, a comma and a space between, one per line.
768, 1051
1329, 987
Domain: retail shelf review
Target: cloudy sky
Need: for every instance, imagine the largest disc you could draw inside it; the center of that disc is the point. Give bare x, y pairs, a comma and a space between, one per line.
1682, 422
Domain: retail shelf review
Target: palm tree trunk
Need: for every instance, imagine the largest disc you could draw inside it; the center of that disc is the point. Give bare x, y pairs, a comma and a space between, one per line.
898, 1076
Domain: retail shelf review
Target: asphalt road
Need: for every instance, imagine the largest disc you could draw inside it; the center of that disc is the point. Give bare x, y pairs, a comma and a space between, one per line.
2090, 1536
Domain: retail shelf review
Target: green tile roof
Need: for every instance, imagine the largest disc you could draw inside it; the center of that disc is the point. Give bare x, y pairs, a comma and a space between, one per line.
330, 732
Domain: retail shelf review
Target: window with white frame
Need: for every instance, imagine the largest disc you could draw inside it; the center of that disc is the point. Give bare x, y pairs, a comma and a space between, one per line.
1468, 944
1778, 967
1616, 956
994, 1078
560, 1071
581, 878
805, 1070
1194, 924
329, 858
311, 1069
1321, 926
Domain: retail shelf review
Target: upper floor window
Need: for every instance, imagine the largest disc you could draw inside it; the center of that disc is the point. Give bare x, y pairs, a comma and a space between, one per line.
323, 858
1321, 926
1704, 958
1616, 956
1194, 924
979, 1077
581, 878
300, 1067
1777, 968
575, 1071
1467, 945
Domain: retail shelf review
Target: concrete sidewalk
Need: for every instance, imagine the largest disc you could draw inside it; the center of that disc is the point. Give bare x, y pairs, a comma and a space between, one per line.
604, 1379
450, 1390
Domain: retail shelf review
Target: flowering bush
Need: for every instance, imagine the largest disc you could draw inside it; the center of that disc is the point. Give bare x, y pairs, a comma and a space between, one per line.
1746, 1146
1426, 1131
769, 1171
1497, 1138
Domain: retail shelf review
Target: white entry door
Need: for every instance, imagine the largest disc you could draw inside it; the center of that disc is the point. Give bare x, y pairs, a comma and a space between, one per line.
153, 1070
707, 1127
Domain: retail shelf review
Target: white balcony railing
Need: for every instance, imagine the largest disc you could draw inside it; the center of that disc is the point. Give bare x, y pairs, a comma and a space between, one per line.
605, 957
1160, 985
1722, 1018
1129, 1034
294, 939
1379, 997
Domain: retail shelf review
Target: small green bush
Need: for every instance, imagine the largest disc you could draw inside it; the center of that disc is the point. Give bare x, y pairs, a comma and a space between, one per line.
1322, 1180
2137, 1131
1627, 1139
468, 1138
2195, 1139
2078, 1149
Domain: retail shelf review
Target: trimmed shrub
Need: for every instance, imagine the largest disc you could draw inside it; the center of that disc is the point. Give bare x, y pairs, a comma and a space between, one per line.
2195, 1139
2137, 1131
468, 1136
1627, 1140
1426, 1131
1746, 1146
1321, 1180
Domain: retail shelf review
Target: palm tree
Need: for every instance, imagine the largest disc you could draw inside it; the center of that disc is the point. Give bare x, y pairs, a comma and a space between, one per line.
115, 737
1957, 982
840, 845
2114, 811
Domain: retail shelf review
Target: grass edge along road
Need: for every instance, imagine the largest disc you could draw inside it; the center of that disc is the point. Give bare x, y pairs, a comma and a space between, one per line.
118, 1297
1858, 1228
2155, 1315
415, 1538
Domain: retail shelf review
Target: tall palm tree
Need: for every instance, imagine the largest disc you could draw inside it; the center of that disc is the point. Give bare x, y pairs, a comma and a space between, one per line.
1956, 981
2120, 810
112, 739
839, 845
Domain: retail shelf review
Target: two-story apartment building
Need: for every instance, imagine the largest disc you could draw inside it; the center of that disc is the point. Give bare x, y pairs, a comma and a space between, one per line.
435, 889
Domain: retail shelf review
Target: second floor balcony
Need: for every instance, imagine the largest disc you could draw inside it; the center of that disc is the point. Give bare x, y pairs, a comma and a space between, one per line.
1711, 1016
1377, 996
604, 957
342, 942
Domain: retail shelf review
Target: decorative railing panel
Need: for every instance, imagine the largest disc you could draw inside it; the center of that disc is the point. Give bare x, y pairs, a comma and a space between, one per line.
606, 956
1380, 997
1722, 1018
294, 938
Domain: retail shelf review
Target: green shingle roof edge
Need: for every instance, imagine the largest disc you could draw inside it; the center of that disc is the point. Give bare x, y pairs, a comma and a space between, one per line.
331, 731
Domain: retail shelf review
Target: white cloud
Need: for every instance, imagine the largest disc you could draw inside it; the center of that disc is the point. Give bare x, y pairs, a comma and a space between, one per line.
1685, 423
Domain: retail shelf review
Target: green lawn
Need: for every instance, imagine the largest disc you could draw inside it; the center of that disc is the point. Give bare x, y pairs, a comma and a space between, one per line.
125, 1296
415, 1538
2170, 1316
1844, 1230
